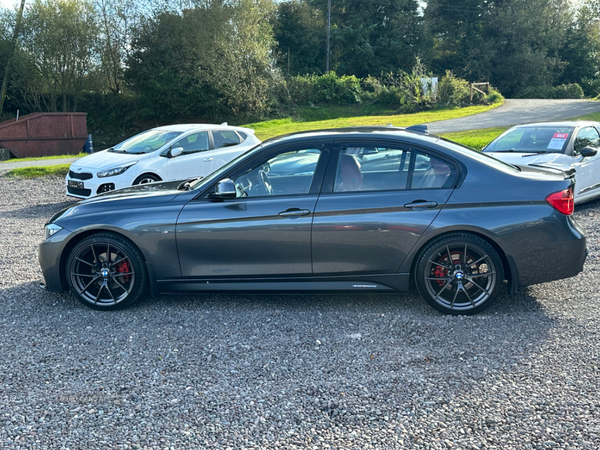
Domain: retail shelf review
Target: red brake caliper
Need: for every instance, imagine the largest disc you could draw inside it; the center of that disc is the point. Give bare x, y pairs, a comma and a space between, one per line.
440, 272
124, 267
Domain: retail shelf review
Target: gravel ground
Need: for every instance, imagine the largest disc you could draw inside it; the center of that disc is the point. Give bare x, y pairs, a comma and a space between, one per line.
289, 372
514, 112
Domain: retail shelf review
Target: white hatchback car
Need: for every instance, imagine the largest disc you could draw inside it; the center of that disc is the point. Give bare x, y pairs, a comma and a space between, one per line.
566, 146
173, 152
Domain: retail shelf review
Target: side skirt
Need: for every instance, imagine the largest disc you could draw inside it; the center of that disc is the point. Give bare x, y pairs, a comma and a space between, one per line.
366, 283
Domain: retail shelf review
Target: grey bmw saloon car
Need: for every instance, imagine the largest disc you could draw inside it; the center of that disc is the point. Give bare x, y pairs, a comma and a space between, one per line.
348, 210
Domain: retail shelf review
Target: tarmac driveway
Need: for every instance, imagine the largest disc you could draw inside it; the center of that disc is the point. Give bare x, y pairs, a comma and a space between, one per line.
515, 112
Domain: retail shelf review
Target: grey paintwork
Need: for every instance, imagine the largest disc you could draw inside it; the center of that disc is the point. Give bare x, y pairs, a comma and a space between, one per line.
348, 241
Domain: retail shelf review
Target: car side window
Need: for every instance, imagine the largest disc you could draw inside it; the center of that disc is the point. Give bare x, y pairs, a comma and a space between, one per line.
287, 173
372, 169
194, 143
586, 137
431, 172
225, 138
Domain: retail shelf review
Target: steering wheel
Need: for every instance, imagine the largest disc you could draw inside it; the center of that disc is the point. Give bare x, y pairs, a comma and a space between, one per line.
265, 183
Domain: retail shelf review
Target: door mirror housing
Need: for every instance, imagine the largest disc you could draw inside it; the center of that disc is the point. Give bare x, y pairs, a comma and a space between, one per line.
175, 152
589, 151
225, 189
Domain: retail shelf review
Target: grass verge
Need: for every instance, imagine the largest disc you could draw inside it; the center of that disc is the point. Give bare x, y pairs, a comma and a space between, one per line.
59, 170
42, 158
476, 139
271, 128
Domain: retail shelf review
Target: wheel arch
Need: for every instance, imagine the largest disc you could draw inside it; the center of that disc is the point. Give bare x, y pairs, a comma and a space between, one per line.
145, 174
510, 268
91, 232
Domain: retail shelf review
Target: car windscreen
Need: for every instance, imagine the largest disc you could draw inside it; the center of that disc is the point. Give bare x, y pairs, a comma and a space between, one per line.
532, 139
145, 142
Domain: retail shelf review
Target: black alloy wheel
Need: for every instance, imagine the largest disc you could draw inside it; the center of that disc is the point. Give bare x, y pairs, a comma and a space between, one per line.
459, 274
146, 178
105, 271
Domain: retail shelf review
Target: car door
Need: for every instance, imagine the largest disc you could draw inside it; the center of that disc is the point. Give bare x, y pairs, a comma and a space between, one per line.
588, 168
195, 160
377, 200
266, 229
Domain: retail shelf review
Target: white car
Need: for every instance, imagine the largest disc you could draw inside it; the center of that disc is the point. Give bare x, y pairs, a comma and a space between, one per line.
565, 146
173, 152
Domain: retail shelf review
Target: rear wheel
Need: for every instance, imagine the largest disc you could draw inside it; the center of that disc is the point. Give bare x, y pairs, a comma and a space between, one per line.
459, 274
146, 178
106, 271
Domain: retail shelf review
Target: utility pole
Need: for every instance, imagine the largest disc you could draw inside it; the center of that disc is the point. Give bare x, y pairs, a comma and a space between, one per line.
328, 33
10, 55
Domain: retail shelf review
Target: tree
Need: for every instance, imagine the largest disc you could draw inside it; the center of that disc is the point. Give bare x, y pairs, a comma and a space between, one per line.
374, 36
299, 30
212, 61
60, 38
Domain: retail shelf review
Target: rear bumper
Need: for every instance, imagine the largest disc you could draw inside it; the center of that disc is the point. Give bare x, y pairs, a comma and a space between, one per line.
560, 252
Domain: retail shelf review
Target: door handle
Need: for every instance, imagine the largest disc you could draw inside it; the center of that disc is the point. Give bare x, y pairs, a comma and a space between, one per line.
294, 212
208, 159
421, 204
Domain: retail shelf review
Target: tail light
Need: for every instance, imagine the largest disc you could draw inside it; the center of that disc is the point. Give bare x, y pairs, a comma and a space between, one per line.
562, 201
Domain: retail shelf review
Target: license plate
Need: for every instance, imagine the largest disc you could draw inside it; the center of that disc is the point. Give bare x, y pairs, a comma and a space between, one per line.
76, 184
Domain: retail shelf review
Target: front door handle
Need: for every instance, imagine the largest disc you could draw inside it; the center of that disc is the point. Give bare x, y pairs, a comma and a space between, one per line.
421, 204
294, 212
208, 159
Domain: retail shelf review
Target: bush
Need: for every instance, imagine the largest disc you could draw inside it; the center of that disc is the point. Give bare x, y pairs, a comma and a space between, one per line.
590, 86
572, 90
563, 91
453, 91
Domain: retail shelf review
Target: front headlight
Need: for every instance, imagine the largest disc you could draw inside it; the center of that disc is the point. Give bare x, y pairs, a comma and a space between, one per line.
50, 229
114, 171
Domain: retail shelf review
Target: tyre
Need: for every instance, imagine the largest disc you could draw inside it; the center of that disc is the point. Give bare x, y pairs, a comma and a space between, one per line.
106, 271
146, 178
459, 274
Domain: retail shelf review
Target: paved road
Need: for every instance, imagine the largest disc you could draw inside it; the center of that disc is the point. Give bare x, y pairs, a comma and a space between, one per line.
515, 112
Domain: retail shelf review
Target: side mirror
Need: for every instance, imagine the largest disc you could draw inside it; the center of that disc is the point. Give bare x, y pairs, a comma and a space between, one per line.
175, 152
588, 151
225, 189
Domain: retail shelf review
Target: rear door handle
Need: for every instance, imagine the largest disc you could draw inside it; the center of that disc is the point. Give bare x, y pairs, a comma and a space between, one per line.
208, 159
421, 204
294, 212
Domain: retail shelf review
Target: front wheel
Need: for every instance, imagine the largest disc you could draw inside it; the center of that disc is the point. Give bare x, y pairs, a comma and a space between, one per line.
459, 274
146, 178
106, 271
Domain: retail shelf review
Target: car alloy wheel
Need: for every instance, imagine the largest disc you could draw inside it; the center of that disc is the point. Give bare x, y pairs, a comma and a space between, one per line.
145, 179
459, 274
105, 271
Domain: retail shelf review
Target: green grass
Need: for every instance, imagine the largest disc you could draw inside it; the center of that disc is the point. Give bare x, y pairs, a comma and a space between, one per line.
271, 128
59, 170
476, 139
42, 158
592, 116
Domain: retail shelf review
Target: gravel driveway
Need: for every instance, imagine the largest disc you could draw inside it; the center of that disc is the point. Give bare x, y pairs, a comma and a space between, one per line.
515, 112
290, 372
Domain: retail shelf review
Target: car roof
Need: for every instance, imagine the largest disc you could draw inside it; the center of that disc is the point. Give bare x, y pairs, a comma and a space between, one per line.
360, 132
183, 127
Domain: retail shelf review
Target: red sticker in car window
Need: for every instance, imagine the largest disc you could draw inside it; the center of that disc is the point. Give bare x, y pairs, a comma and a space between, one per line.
561, 135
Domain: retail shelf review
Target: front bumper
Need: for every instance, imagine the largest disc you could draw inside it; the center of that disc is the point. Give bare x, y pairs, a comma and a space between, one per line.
50, 256
86, 188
